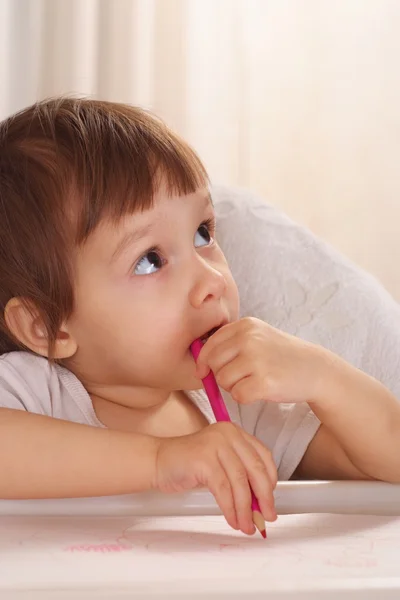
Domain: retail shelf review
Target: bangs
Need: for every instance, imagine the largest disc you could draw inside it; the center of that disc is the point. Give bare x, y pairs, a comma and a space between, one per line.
124, 161
110, 159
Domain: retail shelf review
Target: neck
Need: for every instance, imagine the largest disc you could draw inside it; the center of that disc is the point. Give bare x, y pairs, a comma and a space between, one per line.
175, 415
106, 389
133, 398
129, 409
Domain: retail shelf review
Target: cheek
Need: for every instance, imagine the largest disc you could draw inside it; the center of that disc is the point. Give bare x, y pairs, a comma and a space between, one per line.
232, 294
154, 315
102, 313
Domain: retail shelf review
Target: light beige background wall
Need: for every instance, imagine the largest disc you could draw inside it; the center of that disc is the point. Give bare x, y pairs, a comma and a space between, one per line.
296, 99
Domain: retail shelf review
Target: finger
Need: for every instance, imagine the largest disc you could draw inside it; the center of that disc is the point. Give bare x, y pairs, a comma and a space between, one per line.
247, 391
224, 333
265, 455
267, 503
219, 337
231, 373
258, 476
219, 485
218, 357
238, 478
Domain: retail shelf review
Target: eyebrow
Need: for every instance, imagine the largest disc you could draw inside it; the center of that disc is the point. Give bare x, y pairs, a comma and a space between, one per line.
135, 236
130, 238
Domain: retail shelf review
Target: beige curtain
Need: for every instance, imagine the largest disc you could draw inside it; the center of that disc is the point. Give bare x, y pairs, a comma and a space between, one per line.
297, 99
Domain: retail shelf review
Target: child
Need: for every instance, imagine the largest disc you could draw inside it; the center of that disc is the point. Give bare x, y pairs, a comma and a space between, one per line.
108, 271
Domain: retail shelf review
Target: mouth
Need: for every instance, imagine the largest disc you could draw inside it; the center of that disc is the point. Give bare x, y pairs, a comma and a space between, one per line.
211, 332
207, 335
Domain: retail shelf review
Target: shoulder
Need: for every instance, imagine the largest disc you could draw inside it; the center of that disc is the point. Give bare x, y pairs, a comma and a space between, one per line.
30, 382
25, 382
19, 368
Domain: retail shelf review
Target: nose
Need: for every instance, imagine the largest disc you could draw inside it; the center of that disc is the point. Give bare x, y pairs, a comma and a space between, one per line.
209, 284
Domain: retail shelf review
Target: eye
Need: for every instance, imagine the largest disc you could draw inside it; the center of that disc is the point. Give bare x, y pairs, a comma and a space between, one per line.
203, 236
150, 263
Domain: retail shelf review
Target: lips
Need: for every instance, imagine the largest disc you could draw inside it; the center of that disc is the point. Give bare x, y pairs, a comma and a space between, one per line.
211, 331
207, 335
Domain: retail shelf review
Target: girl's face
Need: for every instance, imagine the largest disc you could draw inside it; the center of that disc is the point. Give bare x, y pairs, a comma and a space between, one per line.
145, 289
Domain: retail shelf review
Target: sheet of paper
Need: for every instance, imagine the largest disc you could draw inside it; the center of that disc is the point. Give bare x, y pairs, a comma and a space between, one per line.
154, 553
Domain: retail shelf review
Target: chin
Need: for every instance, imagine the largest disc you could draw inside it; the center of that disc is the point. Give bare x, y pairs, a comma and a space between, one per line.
197, 385
190, 382
186, 379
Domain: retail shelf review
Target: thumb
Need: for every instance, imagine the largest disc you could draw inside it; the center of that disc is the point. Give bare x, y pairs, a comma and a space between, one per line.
202, 370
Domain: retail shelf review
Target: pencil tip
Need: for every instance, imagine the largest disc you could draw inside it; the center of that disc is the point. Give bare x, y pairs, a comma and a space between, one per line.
264, 534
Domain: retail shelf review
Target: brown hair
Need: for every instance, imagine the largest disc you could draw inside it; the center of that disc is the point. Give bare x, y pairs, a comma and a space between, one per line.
80, 157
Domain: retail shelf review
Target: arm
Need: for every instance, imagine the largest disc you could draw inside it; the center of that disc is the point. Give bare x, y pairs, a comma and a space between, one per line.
305, 287
43, 457
360, 433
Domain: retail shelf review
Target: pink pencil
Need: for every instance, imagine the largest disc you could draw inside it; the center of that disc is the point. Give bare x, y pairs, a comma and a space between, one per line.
221, 414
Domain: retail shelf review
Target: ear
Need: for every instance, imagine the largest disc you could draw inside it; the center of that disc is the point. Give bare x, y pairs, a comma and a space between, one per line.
25, 324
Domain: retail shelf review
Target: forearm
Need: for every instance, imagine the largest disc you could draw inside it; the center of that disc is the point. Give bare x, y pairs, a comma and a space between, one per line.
362, 415
41, 457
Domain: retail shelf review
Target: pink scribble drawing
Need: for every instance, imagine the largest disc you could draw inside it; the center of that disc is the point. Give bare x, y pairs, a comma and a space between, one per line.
104, 548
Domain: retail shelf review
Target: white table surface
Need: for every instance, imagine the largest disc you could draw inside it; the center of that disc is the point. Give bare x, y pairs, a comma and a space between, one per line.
108, 553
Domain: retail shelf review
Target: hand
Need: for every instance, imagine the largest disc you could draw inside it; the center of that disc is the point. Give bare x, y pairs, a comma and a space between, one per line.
253, 361
225, 459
